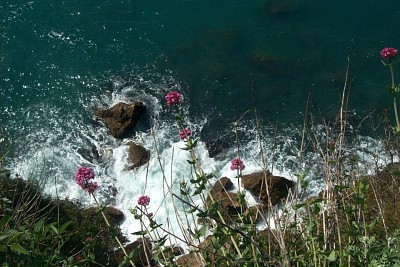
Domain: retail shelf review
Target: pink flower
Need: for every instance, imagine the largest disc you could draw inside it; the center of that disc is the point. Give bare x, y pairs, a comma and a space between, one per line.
83, 177
183, 133
173, 97
78, 257
388, 53
144, 200
237, 164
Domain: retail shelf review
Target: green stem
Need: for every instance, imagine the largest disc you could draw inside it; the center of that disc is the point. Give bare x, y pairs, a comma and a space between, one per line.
115, 237
394, 98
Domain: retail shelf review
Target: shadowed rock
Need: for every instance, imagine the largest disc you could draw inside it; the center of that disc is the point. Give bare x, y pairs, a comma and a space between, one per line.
278, 186
113, 214
215, 147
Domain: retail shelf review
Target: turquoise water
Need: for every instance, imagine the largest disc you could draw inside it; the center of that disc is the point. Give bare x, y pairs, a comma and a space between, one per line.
62, 59
65, 52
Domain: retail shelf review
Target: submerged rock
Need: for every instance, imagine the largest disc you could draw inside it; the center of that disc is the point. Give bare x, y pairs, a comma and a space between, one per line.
121, 118
216, 147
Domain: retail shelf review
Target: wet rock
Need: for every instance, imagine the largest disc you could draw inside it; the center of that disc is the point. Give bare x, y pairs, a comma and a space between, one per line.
216, 147
256, 212
142, 255
177, 251
121, 118
171, 252
5, 174
278, 186
227, 203
112, 190
273, 65
114, 215
221, 185
89, 154
138, 155
283, 8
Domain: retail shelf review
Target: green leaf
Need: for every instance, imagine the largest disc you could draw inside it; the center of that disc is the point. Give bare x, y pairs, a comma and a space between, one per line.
5, 220
341, 187
18, 248
8, 233
39, 225
355, 225
54, 229
298, 206
201, 232
64, 226
183, 193
332, 256
140, 233
310, 226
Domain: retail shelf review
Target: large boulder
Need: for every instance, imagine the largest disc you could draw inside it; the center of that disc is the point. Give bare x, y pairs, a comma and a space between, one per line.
138, 155
278, 186
121, 118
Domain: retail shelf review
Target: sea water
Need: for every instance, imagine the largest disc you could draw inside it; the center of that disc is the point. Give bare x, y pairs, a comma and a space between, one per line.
62, 60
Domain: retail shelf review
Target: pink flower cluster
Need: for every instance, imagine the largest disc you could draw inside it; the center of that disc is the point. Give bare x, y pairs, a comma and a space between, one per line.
183, 133
237, 164
83, 177
144, 200
173, 97
388, 53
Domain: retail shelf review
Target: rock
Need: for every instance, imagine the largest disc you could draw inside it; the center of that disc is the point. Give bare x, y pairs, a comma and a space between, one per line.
256, 212
113, 214
221, 185
283, 8
190, 259
215, 147
122, 117
138, 155
171, 252
89, 154
177, 251
228, 205
278, 186
274, 65
142, 255
5, 174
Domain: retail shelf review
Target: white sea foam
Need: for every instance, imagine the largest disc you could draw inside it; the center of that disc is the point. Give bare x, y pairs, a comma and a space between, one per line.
63, 144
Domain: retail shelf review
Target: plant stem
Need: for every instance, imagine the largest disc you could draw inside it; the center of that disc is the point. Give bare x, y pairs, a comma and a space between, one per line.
394, 98
115, 237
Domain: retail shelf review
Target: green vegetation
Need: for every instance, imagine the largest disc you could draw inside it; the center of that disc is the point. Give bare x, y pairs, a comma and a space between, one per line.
39, 231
